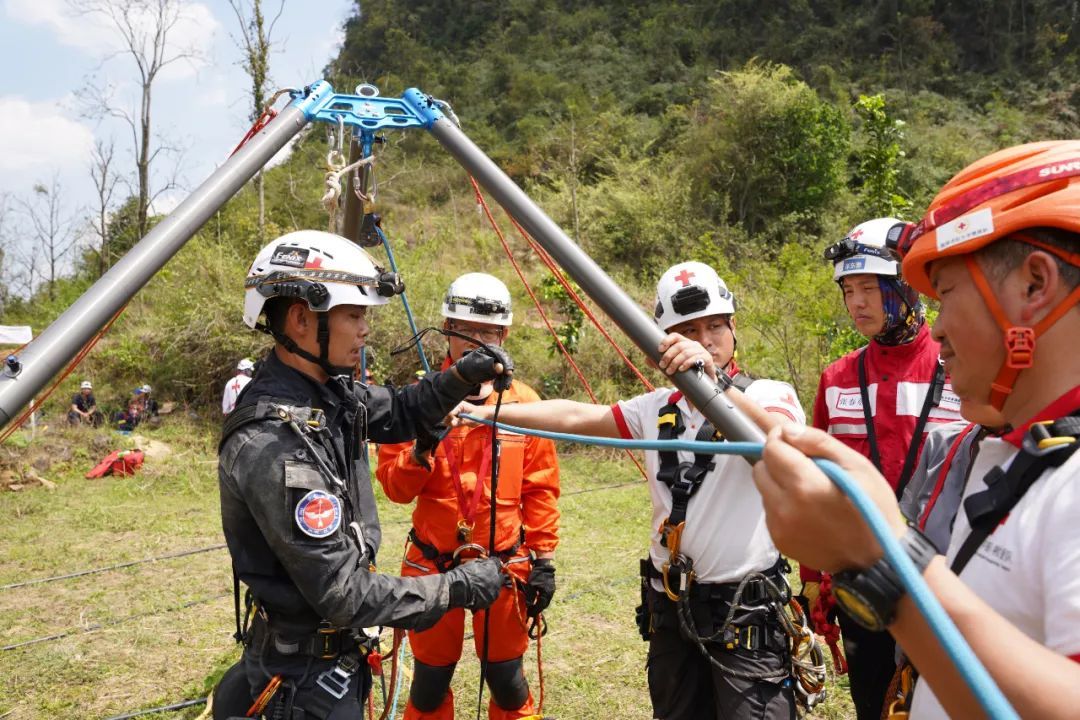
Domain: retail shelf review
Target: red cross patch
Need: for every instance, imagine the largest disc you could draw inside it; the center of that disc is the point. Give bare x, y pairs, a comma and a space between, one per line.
684, 277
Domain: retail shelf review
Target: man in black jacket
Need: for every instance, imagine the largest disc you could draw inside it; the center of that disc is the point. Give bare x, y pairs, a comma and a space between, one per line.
296, 500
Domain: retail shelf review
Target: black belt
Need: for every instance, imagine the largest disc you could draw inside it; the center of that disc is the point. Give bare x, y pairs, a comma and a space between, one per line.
754, 592
325, 642
445, 561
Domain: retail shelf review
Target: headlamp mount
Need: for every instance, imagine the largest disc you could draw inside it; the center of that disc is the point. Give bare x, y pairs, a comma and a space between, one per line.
690, 299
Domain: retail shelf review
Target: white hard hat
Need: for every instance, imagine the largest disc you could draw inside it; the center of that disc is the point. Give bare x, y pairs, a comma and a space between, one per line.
245, 365
146, 389
478, 297
863, 250
324, 269
86, 385
688, 291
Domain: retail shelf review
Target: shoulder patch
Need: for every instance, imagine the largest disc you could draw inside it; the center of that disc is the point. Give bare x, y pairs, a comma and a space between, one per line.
318, 514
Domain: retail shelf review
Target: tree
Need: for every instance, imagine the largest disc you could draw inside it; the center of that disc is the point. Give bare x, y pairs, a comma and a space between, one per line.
143, 27
763, 145
254, 42
52, 234
103, 174
879, 159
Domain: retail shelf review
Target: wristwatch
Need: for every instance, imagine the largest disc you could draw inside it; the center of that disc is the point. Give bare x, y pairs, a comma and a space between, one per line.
870, 596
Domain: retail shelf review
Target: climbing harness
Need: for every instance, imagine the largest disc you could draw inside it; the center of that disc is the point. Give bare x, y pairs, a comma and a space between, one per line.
682, 480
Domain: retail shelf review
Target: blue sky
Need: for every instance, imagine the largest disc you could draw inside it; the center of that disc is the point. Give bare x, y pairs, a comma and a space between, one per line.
49, 52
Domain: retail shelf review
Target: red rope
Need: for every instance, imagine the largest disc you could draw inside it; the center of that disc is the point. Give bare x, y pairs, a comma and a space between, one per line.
539, 308
268, 114
558, 273
823, 626
10, 429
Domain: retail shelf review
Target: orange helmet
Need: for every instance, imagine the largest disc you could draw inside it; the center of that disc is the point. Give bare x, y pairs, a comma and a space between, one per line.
1024, 187
1027, 186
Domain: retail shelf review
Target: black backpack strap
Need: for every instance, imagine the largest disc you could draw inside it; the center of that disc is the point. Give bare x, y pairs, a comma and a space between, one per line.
669, 426
1046, 445
933, 399
868, 417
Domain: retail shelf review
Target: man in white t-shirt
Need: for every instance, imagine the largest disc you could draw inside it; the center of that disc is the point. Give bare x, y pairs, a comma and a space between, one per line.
244, 370
701, 666
999, 247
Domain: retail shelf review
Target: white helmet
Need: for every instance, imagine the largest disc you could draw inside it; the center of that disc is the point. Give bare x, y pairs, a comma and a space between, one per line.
86, 385
324, 269
145, 389
864, 251
688, 291
245, 365
478, 297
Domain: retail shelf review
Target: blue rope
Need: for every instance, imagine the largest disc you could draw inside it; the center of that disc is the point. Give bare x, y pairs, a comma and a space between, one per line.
400, 672
404, 299
976, 677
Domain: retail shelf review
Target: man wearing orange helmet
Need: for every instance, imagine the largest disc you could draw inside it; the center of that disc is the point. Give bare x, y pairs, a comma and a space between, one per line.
1000, 248
451, 482
879, 400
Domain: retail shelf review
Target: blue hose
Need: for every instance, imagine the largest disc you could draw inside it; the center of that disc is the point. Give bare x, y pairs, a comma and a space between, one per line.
976, 677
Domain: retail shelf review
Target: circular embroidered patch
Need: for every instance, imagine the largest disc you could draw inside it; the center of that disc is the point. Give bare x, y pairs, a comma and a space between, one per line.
318, 514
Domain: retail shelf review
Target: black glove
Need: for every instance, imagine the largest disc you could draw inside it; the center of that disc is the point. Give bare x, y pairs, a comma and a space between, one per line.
478, 366
426, 442
540, 587
476, 585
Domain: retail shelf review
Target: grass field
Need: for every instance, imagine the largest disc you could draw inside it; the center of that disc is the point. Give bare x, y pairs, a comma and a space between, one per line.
168, 624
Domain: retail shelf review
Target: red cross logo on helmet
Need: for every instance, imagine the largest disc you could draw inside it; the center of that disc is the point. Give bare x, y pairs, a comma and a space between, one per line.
684, 277
857, 234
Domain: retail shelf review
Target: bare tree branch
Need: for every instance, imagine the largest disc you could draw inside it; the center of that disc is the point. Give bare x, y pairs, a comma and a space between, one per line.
52, 231
254, 43
143, 28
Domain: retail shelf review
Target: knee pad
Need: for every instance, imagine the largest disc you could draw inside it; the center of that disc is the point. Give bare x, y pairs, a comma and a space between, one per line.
429, 685
509, 688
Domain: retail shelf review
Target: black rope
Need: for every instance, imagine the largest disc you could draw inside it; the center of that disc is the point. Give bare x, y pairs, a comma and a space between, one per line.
491, 544
110, 623
81, 573
164, 708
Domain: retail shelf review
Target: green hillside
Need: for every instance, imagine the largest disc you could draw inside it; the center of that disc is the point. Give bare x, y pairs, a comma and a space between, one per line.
744, 134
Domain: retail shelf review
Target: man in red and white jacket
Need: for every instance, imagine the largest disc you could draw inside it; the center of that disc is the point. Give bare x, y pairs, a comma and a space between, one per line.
879, 400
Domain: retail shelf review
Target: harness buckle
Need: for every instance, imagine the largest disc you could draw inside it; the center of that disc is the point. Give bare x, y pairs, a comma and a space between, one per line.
671, 536
335, 681
1019, 347
329, 642
1040, 441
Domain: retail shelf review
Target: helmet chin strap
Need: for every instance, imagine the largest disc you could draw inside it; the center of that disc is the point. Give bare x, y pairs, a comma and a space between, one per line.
1019, 340
323, 359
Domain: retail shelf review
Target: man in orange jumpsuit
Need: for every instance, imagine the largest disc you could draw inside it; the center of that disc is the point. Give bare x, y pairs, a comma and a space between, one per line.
451, 483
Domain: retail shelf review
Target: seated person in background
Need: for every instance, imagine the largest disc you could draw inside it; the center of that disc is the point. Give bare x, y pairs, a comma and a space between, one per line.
150, 406
126, 420
84, 407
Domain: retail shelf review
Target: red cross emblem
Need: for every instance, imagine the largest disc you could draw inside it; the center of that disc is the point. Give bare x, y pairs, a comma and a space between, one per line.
316, 262
857, 234
961, 226
684, 277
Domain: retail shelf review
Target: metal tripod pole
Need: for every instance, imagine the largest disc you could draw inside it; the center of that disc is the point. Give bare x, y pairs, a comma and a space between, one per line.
640, 328
55, 347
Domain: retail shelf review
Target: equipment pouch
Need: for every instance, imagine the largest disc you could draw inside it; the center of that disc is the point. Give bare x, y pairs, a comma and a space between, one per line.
643, 615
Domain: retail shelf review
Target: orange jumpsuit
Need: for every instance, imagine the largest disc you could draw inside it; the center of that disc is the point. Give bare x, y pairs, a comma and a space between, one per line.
526, 506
